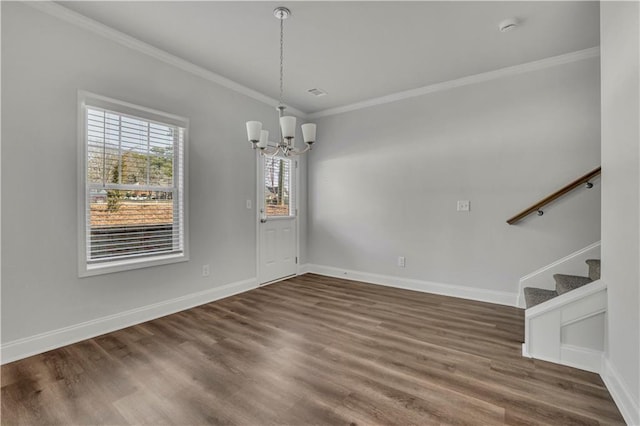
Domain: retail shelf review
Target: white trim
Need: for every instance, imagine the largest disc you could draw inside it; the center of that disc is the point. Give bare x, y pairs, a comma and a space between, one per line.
543, 277
85, 100
81, 181
627, 404
573, 320
572, 356
483, 295
295, 181
33, 345
582, 358
560, 261
296, 172
259, 204
123, 39
543, 327
89, 270
304, 269
128, 108
567, 298
277, 280
553, 61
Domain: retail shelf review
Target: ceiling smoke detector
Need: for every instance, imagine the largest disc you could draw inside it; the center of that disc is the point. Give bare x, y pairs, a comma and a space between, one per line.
317, 92
508, 25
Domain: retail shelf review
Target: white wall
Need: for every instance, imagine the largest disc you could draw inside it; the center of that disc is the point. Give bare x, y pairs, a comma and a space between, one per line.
385, 180
620, 46
44, 62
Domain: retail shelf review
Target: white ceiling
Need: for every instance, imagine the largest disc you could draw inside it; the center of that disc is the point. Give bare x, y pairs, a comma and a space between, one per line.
355, 51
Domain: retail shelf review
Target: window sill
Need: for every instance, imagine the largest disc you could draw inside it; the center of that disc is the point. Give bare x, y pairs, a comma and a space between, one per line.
88, 270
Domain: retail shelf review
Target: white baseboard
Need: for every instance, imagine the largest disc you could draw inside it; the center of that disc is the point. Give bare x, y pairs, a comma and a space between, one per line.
33, 345
483, 295
582, 358
572, 356
626, 402
303, 269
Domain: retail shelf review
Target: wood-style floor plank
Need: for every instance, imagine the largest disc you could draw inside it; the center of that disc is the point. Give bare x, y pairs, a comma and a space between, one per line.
309, 350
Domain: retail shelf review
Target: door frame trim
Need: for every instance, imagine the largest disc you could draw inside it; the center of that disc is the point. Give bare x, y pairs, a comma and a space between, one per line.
259, 204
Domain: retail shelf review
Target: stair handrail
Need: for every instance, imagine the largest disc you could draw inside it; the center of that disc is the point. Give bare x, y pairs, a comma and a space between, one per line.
559, 193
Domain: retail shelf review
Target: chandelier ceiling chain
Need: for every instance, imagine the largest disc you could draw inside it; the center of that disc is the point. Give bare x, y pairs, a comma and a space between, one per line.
286, 145
280, 102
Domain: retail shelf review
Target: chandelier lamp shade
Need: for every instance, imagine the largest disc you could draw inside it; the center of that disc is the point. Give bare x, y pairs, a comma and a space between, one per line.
259, 138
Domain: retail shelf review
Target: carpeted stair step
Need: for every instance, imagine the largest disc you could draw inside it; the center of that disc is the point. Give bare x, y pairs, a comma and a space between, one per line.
565, 283
594, 269
534, 296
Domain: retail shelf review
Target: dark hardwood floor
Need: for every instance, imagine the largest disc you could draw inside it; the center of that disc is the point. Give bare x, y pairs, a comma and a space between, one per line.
309, 350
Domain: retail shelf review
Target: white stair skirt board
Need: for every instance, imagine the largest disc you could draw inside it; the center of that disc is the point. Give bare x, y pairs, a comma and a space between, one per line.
544, 323
573, 356
33, 345
479, 294
567, 298
628, 405
582, 358
573, 264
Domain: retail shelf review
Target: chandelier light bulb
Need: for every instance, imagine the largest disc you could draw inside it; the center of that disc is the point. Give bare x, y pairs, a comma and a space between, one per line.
253, 131
264, 139
309, 133
288, 126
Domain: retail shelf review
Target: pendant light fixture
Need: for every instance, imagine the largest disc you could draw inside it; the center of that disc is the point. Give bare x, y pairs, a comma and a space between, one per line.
258, 137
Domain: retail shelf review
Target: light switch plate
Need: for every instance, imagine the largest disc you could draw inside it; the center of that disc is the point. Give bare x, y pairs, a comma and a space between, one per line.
464, 205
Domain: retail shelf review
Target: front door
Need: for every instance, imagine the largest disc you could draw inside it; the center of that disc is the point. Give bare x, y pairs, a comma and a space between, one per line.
277, 219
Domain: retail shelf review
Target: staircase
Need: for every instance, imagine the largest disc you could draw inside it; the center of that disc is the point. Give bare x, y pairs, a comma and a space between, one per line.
566, 325
564, 283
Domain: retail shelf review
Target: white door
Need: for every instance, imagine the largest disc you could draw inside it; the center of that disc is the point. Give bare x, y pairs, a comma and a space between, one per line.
277, 219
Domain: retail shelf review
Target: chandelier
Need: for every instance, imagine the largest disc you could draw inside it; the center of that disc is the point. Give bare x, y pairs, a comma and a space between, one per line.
259, 138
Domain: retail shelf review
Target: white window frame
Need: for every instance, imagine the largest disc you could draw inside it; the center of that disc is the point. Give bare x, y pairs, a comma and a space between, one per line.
88, 99
293, 196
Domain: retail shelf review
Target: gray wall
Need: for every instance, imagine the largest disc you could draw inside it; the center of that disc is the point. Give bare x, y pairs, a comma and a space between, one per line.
385, 180
619, 23
44, 62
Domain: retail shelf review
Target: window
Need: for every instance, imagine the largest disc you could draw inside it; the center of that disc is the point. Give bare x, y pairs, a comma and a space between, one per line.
277, 190
133, 191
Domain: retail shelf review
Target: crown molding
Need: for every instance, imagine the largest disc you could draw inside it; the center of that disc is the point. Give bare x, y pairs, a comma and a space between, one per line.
553, 61
123, 39
61, 12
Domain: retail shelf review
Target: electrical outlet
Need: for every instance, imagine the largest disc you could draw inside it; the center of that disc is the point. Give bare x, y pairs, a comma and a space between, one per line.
401, 261
205, 270
464, 205
248, 204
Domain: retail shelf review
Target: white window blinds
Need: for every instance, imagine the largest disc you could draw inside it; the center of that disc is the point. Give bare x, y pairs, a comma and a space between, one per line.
134, 187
